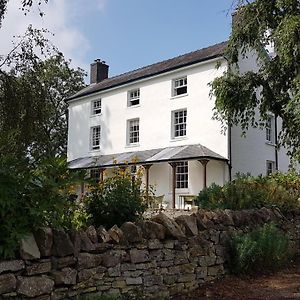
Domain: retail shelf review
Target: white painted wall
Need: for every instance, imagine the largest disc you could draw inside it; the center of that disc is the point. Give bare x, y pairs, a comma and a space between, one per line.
154, 112
250, 153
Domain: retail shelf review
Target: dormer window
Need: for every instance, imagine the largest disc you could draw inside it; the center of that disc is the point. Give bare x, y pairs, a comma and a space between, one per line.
180, 86
134, 97
96, 107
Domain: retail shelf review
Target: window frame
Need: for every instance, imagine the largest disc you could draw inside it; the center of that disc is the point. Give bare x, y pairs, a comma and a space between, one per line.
181, 86
182, 175
131, 99
269, 130
129, 138
175, 124
95, 146
271, 170
94, 109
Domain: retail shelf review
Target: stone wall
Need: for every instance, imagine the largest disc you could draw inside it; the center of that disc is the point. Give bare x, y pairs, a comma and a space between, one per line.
155, 258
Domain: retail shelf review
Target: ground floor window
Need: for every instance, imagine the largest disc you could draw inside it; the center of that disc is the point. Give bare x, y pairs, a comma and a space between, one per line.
270, 167
182, 175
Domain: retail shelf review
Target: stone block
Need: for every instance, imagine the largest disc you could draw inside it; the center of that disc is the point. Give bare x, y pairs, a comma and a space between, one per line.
154, 244
39, 268
62, 243
114, 271
152, 230
28, 248
103, 235
188, 223
44, 240
95, 273
207, 261
153, 280
133, 280
11, 265
87, 260
92, 234
62, 262
170, 279
132, 233
34, 286
201, 272
215, 270
186, 277
139, 256
86, 244
116, 235
7, 283
66, 276
172, 228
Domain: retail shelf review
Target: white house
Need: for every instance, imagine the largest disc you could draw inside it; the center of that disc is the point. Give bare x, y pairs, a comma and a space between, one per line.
160, 117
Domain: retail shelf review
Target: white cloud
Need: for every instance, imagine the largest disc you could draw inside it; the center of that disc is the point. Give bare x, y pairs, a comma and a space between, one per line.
57, 19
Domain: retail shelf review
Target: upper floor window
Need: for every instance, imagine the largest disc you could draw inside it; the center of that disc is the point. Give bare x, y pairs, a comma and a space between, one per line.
95, 137
180, 86
133, 131
270, 167
179, 123
134, 97
96, 107
95, 174
182, 175
270, 130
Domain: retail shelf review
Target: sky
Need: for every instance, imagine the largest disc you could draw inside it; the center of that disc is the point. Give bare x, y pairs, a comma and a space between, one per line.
127, 34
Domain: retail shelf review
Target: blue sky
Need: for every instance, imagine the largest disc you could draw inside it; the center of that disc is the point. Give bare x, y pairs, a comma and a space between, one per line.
127, 34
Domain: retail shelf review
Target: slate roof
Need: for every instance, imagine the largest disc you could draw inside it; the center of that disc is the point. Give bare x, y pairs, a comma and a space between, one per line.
169, 154
155, 69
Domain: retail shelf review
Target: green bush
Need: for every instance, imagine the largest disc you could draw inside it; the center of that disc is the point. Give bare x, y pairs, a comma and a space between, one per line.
260, 250
115, 200
245, 192
33, 197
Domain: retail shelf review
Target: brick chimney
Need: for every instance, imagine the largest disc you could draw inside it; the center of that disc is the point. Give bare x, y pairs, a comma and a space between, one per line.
99, 71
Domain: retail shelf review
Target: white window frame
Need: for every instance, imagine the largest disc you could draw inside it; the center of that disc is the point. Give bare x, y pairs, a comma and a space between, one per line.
269, 130
177, 84
133, 134
182, 175
96, 107
95, 137
270, 167
133, 98
179, 128
95, 174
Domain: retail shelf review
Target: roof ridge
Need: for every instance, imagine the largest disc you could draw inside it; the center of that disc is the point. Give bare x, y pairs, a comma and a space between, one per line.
159, 62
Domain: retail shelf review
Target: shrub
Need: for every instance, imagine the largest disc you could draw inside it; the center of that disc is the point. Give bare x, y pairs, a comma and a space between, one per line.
33, 198
260, 250
245, 192
115, 200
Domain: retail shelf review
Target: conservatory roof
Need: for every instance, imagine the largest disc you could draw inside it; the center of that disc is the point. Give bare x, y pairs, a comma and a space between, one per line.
168, 154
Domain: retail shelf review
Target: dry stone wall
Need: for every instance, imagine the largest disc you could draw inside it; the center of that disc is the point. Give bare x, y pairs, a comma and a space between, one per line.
154, 258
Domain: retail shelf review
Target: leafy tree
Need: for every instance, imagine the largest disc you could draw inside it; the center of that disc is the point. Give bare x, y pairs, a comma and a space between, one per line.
25, 6
256, 25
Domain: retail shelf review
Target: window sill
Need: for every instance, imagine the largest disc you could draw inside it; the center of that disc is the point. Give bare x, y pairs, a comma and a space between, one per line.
95, 151
96, 115
179, 96
132, 145
134, 106
177, 139
270, 143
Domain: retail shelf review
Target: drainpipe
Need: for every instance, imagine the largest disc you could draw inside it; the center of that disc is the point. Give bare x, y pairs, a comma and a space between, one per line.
229, 153
276, 142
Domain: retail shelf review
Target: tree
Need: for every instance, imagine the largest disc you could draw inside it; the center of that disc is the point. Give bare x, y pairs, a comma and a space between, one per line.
32, 106
275, 87
25, 6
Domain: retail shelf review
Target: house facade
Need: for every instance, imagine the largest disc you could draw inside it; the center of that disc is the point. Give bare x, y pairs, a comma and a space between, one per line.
160, 118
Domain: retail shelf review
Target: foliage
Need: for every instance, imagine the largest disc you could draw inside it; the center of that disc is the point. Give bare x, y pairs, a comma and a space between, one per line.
117, 199
275, 86
32, 106
33, 198
263, 249
245, 192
